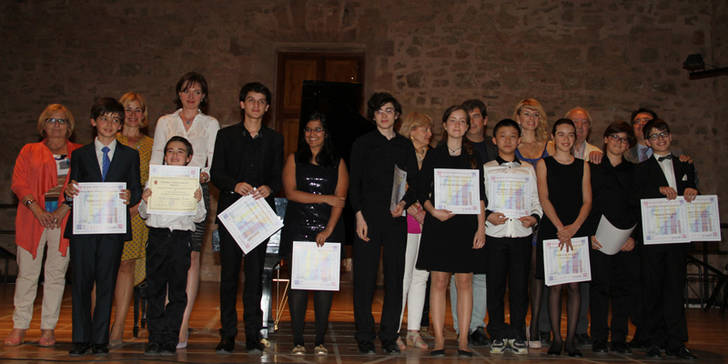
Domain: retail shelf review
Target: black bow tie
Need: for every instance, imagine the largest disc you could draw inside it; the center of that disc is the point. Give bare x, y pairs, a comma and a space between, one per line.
660, 159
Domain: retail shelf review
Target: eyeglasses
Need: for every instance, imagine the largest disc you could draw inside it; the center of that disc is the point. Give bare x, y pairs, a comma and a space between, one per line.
56, 121
388, 110
313, 130
619, 139
661, 135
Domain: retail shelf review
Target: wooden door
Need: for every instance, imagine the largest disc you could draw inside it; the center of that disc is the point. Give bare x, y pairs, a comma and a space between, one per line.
293, 69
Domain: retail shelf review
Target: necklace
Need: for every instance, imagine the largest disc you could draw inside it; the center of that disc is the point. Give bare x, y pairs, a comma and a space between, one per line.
457, 150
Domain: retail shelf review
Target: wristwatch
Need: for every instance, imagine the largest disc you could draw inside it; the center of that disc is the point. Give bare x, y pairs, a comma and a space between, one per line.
28, 202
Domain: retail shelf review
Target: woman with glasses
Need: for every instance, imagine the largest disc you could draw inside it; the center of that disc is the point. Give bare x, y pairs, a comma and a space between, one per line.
612, 185
315, 182
132, 267
38, 177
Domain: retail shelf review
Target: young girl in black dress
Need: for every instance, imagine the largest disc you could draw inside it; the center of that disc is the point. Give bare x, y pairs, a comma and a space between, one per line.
448, 240
564, 189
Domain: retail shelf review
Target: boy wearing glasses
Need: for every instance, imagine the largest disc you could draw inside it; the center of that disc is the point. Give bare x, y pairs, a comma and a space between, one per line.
663, 265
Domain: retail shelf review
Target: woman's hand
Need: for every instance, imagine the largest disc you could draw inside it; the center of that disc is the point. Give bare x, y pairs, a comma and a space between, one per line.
595, 243
567, 232
44, 217
125, 195
198, 194
322, 236
479, 238
417, 212
399, 209
261, 192
442, 214
71, 190
566, 243
528, 221
497, 218
204, 177
628, 245
243, 188
362, 229
333, 200
146, 194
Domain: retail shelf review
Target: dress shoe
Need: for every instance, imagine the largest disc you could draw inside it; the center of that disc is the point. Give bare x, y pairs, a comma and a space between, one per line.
637, 344
100, 349
555, 348
226, 345
582, 339
654, 352
151, 349
438, 352
366, 347
390, 348
478, 337
681, 353
599, 346
15, 337
79, 349
168, 349
465, 353
621, 347
254, 347
47, 338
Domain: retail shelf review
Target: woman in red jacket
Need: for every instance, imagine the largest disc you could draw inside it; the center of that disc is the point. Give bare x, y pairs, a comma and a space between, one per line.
38, 177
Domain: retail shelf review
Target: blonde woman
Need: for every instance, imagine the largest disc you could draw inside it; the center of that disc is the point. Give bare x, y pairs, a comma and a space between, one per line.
418, 128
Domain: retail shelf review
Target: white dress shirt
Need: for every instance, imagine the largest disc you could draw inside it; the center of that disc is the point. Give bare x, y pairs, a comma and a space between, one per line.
512, 228
583, 151
201, 135
100, 154
668, 170
173, 222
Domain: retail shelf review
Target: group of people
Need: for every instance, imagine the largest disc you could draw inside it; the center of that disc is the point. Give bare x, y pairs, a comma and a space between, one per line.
571, 185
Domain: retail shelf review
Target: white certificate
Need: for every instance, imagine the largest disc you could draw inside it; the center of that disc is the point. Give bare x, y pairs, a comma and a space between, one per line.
173, 190
98, 209
610, 237
457, 190
508, 194
561, 266
250, 222
315, 267
399, 185
703, 218
664, 221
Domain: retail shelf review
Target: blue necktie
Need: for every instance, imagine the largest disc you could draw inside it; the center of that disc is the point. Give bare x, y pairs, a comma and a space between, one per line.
105, 162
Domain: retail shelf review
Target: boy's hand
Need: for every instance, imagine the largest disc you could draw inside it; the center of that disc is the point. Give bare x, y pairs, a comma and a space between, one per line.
71, 190
628, 245
442, 214
668, 192
243, 188
261, 192
685, 158
690, 194
125, 195
479, 238
595, 157
198, 195
595, 243
497, 218
527, 221
397, 212
362, 229
204, 177
145, 195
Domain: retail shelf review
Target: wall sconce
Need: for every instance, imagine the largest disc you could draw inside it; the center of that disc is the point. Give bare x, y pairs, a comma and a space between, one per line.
696, 66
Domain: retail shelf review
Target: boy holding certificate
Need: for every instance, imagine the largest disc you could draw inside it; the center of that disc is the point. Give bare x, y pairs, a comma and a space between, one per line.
513, 211
168, 259
663, 265
95, 256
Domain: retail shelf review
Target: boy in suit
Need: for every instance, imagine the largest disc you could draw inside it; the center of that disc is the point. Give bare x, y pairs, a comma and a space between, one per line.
663, 265
95, 258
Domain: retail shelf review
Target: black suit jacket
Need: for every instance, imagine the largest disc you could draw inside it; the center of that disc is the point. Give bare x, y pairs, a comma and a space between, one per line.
649, 179
124, 168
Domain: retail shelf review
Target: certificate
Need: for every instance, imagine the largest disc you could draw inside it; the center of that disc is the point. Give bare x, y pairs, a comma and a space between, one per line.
315, 267
98, 209
399, 185
703, 218
250, 222
457, 190
508, 194
610, 237
664, 221
561, 266
173, 189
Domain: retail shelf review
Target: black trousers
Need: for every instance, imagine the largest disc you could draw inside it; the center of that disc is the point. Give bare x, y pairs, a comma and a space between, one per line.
610, 282
94, 259
663, 283
633, 266
507, 257
168, 260
231, 257
390, 237
297, 302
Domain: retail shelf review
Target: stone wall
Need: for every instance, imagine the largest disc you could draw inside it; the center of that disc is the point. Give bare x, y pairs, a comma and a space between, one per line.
609, 57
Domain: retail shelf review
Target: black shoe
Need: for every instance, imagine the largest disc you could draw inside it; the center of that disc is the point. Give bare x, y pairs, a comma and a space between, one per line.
555, 348
654, 352
479, 338
151, 349
599, 346
100, 349
582, 339
465, 353
621, 347
390, 348
637, 344
682, 353
366, 347
79, 349
545, 337
254, 347
574, 352
226, 345
168, 349
438, 352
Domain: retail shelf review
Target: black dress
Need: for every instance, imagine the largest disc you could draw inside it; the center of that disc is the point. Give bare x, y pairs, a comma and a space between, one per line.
446, 246
304, 221
565, 194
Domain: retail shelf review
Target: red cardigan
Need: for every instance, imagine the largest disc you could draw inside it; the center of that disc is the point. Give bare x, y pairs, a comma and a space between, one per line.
34, 174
